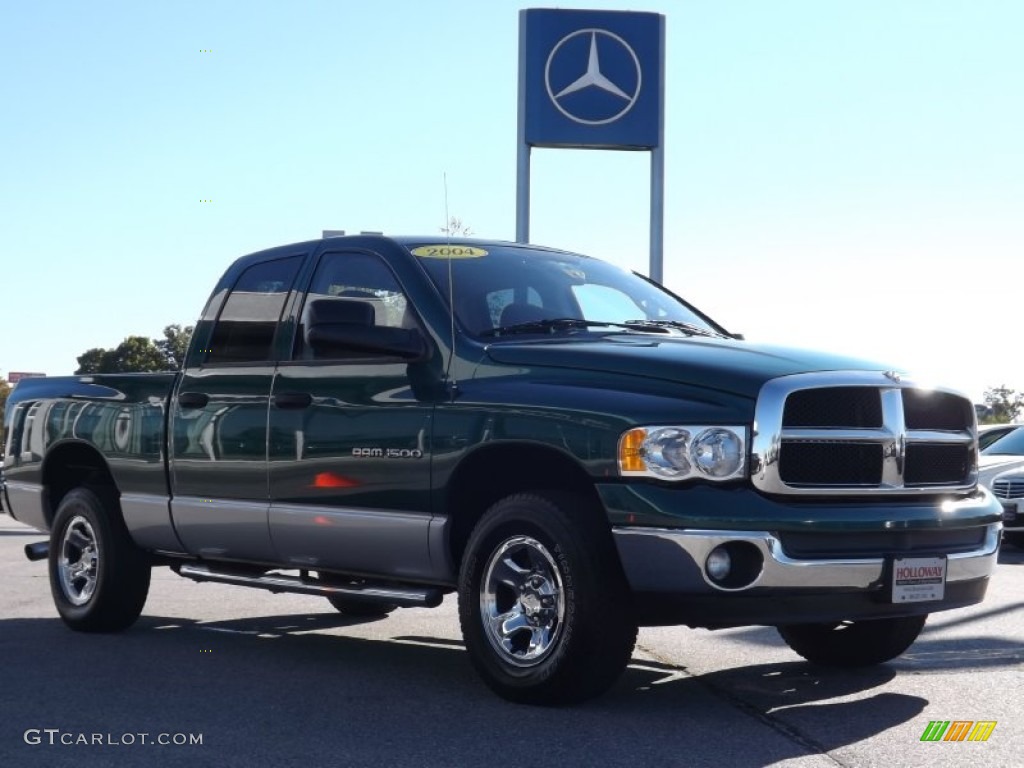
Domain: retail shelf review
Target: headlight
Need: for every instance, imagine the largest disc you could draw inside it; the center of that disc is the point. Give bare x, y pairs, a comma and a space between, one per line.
683, 452
717, 453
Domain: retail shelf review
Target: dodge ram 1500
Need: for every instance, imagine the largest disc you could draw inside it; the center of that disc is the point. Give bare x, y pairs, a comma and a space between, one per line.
570, 447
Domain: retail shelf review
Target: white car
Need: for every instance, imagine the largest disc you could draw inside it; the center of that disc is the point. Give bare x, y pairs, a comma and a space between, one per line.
1004, 454
989, 433
1008, 487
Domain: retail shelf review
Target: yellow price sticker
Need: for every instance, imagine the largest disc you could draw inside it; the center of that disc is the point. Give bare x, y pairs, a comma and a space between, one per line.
448, 252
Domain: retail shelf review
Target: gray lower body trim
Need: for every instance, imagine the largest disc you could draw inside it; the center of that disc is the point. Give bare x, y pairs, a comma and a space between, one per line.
148, 518
26, 504
385, 543
222, 529
670, 560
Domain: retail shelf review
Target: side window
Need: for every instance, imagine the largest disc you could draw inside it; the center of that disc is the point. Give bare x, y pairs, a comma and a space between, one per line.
244, 332
356, 278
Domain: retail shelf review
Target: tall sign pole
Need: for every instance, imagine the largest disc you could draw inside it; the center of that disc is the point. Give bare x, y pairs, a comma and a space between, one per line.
523, 149
592, 80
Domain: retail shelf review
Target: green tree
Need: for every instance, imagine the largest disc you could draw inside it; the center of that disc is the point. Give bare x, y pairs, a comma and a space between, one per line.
92, 361
174, 344
5, 390
1006, 404
136, 354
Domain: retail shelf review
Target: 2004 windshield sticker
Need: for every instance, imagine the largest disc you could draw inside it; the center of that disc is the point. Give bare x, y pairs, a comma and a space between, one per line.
445, 251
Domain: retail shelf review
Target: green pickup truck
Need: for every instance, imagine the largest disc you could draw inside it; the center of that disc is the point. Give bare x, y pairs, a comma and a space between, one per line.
570, 447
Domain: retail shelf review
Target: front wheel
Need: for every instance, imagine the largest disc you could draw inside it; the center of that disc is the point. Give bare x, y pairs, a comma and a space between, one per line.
98, 577
543, 603
853, 643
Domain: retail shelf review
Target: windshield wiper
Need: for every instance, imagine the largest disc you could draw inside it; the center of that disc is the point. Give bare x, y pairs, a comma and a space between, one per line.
687, 328
550, 325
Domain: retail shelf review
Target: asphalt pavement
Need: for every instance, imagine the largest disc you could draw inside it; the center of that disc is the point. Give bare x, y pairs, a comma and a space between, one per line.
215, 675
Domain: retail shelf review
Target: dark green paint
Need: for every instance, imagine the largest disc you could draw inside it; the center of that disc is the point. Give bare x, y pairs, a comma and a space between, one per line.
720, 365
121, 416
573, 394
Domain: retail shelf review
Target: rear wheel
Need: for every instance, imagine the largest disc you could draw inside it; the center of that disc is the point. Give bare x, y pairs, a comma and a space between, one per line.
543, 604
98, 577
853, 643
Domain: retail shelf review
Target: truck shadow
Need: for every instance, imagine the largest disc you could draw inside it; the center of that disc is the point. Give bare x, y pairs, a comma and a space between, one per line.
282, 688
795, 699
932, 651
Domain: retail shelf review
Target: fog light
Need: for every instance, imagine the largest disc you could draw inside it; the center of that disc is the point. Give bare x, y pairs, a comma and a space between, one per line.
718, 564
734, 565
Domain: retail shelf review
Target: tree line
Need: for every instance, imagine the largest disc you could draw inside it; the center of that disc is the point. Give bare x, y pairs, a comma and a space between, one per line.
138, 354
1002, 405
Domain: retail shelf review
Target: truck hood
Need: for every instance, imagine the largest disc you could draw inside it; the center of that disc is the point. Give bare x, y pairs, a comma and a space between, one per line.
726, 365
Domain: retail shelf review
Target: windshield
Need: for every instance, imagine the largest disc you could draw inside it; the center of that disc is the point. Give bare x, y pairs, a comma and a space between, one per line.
1011, 444
498, 287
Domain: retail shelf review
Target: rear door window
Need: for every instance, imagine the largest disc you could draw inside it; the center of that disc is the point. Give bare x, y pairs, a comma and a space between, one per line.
245, 330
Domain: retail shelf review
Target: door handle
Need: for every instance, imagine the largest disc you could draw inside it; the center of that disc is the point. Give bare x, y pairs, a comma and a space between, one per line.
193, 399
293, 400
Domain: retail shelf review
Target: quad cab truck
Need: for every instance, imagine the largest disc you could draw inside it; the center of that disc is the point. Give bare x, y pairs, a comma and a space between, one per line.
570, 447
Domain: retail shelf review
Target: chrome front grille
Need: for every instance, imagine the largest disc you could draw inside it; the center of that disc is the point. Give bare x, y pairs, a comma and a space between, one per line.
1012, 488
844, 433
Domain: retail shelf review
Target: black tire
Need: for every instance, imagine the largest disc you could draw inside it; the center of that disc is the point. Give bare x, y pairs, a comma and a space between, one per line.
552, 570
853, 643
98, 577
1014, 538
360, 607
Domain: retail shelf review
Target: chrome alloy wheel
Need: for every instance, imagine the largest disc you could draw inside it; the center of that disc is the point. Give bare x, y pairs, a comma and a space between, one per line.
522, 601
78, 561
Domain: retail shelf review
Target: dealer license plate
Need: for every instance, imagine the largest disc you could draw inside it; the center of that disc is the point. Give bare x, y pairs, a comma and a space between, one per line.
917, 579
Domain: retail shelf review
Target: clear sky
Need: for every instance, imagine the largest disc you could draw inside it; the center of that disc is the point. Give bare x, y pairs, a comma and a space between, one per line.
839, 175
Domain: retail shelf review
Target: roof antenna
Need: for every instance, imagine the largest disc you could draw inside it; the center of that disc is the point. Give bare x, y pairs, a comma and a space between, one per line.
453, 384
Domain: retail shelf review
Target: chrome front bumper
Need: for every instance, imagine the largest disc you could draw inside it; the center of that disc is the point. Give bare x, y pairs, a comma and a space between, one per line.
666, 560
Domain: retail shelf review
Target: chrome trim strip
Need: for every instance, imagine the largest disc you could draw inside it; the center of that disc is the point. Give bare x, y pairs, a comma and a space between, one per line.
780, 571
933, 436
407, 596
852, 435
842, 435
964, 566
894, 444
893, 435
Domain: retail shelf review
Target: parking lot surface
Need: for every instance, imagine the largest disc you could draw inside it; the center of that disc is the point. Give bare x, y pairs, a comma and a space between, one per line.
284, 680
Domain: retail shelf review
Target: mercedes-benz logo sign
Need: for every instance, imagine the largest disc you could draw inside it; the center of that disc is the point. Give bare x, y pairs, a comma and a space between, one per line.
596, 95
